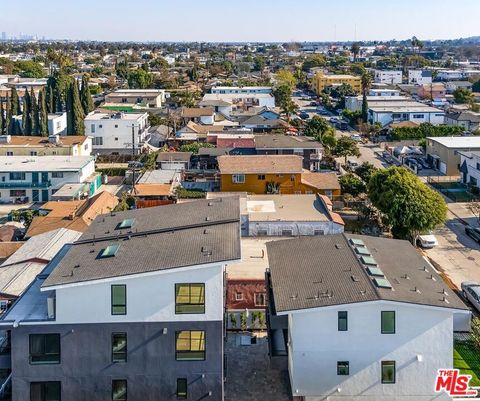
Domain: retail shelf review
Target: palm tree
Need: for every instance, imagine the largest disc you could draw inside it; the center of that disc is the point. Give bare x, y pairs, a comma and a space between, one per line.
366, 83
289, 107
355, 49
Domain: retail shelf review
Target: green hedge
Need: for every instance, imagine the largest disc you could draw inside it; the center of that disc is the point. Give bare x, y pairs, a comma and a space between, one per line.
424, 130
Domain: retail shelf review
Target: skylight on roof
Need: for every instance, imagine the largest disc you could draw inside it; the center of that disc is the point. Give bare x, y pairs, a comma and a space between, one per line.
109, 251
375, 271
382, 283
362, 251
357, 242
127, 223
368, 260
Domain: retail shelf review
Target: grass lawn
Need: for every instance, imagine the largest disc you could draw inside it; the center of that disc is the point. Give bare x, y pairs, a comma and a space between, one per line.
467, 359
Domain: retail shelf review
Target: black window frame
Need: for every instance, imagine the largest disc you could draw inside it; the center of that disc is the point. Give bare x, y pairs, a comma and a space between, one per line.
342, 318
384, 364
118, 305
43, 389
346, 364
44, 362
177, 352
126, 389
116, 353
394, 322
179, 393
179, 305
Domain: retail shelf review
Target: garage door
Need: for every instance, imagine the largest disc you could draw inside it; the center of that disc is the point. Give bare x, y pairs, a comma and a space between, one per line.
443, 168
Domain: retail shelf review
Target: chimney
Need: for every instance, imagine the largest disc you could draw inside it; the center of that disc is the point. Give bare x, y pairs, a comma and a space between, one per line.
5, 138
55, 139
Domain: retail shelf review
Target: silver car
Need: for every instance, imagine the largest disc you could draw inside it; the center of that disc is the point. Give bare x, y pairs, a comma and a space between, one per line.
471, 291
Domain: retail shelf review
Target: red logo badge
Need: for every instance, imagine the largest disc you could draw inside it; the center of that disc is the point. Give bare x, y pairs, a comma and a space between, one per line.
454, 384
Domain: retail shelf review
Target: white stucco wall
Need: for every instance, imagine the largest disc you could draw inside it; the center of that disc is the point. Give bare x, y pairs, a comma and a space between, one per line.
298, 228
149, 298
316, 346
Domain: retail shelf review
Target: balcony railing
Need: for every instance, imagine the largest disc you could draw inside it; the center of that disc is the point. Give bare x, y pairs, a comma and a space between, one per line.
22, 184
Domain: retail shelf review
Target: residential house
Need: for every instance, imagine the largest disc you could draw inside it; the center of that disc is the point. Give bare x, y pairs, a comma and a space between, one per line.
359, 318
470, 168
308, 148
140, 294
200, 115
466, 119
388, 77
220, 106
37, 178
177, 161
116, 133
57, 123
53, 145
452, 86
242, 101
384, 92
433, 91
390, 112
74, 215
136, 98
354, 103
241, 89
281, 174
420, 77
443, 153
193, 132
321, 81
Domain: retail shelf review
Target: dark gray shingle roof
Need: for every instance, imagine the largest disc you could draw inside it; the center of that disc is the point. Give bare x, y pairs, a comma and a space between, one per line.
312, 272
165, 237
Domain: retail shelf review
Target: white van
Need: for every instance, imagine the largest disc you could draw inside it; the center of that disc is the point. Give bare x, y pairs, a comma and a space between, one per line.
352, 163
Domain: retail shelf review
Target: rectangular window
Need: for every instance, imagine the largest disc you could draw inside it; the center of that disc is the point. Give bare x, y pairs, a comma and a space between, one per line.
238, 296
260, 299
190, 345
18, 192
182, 388
119, 299
92, 128
388, 322
189, 298
287, 233
44, 348
33, 153
17, 176
97, 141
9, 153
388, 372
119, 347
342, 321
418, 116
45, 391
238, 178
261, 177
343, 368
57, 174
119, 390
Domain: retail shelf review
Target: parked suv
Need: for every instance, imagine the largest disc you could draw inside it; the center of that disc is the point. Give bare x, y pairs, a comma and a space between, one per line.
473, 233
471, 291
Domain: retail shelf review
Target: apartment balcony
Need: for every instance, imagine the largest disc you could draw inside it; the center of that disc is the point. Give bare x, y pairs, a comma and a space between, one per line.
315, 156
24, 185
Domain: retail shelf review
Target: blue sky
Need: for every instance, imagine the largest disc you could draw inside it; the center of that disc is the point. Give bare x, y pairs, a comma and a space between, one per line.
241, 20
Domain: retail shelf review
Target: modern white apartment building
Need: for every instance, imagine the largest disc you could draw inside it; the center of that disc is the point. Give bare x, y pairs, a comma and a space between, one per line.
112, 132
420, 77
133, 310
141, 98
367, 319
388, 77
386, 112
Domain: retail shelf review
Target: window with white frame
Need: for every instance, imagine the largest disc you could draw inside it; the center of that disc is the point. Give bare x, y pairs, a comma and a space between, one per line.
238, 178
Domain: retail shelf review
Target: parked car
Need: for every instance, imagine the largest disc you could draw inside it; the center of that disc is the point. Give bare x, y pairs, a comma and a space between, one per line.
473, 233
356, 137
471, 292
352, 163
342, 125
304, 115
135, 164
427, 240
314, 104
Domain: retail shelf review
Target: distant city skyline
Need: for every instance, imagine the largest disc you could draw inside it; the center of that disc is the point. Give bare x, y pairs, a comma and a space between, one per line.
249, 21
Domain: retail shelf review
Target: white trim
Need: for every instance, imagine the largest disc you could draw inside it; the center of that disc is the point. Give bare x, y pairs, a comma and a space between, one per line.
381, 301
138, 275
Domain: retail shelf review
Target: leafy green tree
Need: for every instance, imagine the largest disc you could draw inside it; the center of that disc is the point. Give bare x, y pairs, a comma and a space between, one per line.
140, 79
410, 206
27, 114
339, 93
75, 115
29, 69
194, 147
49, 101
15, 103
463, 96
316, 60
258, 63
85, 96
329, 141
346, 147
365, 171
2, 118
42, 113
316, 127
351, 184
34, 114
285, 77
282, 94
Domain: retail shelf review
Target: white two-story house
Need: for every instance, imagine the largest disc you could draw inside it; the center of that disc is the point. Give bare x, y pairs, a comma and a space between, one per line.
360, 318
